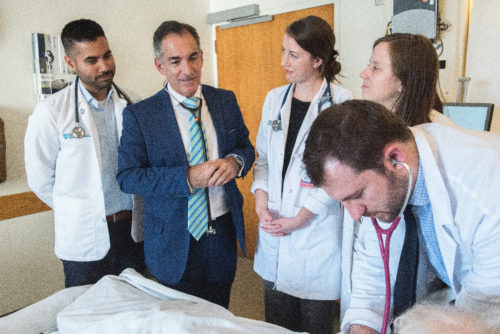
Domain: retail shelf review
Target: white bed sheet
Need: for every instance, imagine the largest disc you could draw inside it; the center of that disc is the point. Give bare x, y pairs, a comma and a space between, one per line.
130, 303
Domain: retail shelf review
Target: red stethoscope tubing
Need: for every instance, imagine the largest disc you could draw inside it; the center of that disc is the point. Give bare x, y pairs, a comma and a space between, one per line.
384, 250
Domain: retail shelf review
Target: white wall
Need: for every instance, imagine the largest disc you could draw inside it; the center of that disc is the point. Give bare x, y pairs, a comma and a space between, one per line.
27, 260
361, 23
483, 63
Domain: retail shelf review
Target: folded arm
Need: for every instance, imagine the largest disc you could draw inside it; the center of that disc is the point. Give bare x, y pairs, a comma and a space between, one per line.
41, 147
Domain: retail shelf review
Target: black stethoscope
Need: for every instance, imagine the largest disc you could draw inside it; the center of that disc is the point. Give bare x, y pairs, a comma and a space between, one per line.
196, 118
198, 122
384, 248
326, 97
78, 131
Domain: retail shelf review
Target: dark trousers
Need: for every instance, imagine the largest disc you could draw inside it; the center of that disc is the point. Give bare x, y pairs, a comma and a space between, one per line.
211, 264
297, 314
123, 253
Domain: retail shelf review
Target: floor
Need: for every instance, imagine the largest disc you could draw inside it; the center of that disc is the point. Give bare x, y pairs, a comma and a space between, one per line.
247, 294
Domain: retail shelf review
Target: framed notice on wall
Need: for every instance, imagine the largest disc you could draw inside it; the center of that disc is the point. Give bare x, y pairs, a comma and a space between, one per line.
50, 71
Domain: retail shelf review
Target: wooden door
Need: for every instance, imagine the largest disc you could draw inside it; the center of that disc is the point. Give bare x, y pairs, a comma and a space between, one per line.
249, 63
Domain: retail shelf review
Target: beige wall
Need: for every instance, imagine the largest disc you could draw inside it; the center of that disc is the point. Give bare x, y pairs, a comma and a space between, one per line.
129, 26
354, 41
29, 268
358, 23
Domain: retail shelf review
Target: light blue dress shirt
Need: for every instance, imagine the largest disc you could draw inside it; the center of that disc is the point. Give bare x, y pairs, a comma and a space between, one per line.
423, 214
104, 118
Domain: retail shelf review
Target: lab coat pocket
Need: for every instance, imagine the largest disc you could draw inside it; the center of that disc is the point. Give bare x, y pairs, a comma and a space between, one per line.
71, 151
316, 251
302, 194
75, 225
305, 185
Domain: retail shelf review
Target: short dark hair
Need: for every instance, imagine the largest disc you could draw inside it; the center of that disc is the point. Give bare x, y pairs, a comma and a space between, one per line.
82, 30
315, 35
172, 27
355, 133
416, 64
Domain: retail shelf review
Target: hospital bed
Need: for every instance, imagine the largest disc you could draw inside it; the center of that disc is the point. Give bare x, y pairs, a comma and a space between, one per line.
128, 303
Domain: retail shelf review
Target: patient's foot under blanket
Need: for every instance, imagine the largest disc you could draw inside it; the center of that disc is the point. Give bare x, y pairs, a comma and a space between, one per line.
130, 304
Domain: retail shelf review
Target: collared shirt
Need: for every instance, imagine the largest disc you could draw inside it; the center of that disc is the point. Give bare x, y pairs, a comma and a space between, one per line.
423, 214
217, 195
104, 119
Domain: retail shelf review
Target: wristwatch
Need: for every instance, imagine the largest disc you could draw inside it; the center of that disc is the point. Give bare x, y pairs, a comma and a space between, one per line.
240, 162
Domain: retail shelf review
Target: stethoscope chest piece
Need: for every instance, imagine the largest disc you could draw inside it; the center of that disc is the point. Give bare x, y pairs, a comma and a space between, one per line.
78, 131
327, 98
275, 125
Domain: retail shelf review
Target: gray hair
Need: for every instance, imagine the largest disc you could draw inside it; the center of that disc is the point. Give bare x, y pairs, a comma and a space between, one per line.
172, 27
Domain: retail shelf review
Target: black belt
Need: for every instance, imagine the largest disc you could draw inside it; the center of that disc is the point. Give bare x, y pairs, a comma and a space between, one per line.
119, 216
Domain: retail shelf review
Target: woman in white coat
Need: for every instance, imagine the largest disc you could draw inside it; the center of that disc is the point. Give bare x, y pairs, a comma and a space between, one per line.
402, 76
299, 247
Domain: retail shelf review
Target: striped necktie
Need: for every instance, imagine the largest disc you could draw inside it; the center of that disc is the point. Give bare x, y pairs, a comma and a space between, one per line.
197, 202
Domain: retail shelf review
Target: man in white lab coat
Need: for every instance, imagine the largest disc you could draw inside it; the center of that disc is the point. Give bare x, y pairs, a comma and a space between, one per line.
71, 160
356, 152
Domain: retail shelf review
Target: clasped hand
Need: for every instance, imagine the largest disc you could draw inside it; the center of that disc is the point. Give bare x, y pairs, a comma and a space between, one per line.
213, 173
278, 226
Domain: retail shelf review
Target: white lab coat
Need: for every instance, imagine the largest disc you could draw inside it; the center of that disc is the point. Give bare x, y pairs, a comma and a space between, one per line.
305, 263
462, 174
65, 173
363, 237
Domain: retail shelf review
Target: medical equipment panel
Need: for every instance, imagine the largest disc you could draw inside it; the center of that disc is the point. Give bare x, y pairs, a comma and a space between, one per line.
474, 116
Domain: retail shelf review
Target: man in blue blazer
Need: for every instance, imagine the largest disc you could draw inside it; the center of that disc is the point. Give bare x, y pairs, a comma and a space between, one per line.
162, 138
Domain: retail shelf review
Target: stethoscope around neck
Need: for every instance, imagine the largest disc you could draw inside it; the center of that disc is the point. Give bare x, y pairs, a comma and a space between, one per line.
385, 247
197, 119
326, 97
78, 131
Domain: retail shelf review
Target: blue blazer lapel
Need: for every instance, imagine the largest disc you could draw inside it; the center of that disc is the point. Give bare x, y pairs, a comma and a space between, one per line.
216, 113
